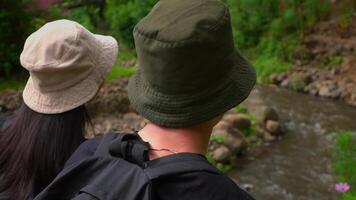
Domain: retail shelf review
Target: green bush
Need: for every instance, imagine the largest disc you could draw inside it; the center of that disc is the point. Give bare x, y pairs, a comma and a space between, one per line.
122, 16
87, 14
15, 25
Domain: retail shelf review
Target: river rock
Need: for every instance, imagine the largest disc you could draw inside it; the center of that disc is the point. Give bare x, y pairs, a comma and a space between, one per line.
273, 127
270, 114
268, 137
235, 141
222, 154
298, 81
239, 121
329, 91
260, 132
247, 186
285, 83
221, 128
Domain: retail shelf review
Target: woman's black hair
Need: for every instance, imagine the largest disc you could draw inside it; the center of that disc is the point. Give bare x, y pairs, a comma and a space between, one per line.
34, 148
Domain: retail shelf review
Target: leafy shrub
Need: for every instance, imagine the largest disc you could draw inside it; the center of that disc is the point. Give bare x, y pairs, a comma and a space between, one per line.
15, 24
122, 16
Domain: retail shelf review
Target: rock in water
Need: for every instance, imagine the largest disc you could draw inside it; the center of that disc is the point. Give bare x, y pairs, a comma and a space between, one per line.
221, 128
268, 137
222, 154
270, 114
239, 121
235, 142
273, 127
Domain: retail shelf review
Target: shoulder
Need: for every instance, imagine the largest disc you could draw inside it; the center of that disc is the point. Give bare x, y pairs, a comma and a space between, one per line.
85, 150
201, 185
223, 187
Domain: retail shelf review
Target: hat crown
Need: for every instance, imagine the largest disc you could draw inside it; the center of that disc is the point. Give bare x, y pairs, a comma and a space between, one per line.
58, 55
181, 44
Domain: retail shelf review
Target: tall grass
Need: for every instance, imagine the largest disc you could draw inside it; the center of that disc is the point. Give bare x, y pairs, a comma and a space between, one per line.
345, 162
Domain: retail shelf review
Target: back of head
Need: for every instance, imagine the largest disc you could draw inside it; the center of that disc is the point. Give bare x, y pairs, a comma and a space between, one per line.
34, 148
67, 65
190, 71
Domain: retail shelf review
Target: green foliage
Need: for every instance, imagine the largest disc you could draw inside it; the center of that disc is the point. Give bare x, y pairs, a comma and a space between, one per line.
224, 168
345, 161
15, 24
269, 30
122, 16
88, 16
266, 66
12, 84
241, 109
250, 131
331, 62
217, 139
118, 71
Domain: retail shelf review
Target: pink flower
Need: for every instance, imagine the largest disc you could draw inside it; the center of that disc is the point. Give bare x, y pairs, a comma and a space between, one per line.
342, 187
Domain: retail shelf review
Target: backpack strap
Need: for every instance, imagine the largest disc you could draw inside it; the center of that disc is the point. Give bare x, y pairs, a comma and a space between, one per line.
128, 146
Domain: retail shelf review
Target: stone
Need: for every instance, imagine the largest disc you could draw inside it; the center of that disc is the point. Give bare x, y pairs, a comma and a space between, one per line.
273, 127
268, 137
270, 114
235, 141
221, 128
285, 83
239, 121
260, 132
222, 154
247, 186
298, 81
324, 91
274, 78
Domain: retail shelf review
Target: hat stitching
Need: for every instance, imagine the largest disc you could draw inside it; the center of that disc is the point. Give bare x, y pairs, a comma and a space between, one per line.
148, 88
189, 120
49, 104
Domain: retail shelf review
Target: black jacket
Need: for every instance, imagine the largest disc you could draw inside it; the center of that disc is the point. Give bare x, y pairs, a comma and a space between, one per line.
183, 176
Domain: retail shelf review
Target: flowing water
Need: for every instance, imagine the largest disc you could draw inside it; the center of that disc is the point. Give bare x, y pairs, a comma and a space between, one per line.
297, 167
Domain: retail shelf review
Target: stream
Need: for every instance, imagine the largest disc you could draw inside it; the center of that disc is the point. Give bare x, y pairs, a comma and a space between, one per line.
298, 167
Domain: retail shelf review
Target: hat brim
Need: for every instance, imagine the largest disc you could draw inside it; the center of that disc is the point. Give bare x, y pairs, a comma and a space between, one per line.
175, 111
60, 101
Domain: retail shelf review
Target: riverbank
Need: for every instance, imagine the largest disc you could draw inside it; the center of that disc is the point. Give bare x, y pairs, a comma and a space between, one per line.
301, 165
325, 63
237, 132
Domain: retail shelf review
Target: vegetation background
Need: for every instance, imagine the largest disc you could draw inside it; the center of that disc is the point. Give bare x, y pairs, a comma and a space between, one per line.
266, 31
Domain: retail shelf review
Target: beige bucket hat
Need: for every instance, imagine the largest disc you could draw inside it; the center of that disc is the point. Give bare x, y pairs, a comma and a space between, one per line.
67, 65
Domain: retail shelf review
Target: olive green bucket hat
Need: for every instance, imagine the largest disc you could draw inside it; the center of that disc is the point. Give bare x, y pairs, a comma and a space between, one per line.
189, 70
